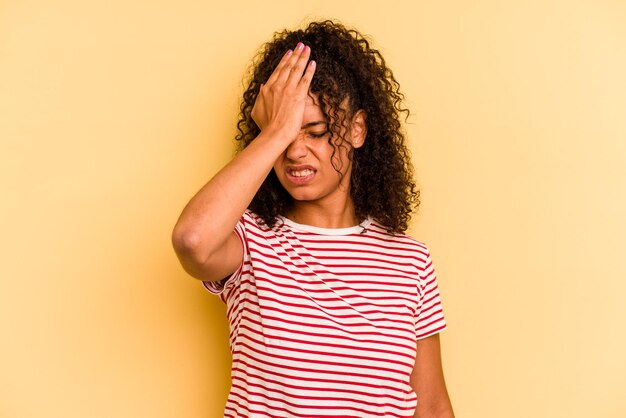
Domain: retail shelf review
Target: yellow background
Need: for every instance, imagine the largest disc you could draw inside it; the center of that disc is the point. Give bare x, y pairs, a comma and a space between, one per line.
113, 113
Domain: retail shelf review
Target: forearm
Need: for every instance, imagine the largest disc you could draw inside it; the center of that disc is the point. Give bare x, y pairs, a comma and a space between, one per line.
435, 404
428, 382
210, 216
202, 231
441, 411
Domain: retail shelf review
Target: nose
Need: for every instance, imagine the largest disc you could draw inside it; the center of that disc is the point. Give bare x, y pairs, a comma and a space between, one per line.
297, 149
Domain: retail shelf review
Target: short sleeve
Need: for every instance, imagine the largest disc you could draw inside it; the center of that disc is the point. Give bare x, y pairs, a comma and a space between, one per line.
429, 318
218, 287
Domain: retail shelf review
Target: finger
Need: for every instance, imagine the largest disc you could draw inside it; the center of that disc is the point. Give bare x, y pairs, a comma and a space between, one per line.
281, 64
305, 81
289, 66
299, 67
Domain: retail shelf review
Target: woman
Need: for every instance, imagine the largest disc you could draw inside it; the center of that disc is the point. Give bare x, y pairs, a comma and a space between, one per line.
333, 310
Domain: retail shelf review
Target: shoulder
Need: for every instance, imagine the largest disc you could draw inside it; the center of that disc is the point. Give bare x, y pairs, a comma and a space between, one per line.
382, 232
250, 222
403, 242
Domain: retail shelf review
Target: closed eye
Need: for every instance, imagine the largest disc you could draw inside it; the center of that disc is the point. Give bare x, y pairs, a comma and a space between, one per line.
318, 134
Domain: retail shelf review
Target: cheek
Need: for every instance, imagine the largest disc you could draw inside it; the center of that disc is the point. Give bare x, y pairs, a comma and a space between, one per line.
278, 163
341, 159
325, 152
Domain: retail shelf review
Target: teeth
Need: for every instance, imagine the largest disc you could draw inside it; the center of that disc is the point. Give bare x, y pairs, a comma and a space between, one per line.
301, 173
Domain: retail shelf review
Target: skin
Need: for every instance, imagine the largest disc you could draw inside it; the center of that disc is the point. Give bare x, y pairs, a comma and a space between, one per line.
321, 198
292, 138
427, 380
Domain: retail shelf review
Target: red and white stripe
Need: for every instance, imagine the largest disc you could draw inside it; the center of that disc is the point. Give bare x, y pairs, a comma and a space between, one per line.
323, 322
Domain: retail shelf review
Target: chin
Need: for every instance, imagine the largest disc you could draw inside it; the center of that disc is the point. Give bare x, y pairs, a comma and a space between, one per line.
301, 195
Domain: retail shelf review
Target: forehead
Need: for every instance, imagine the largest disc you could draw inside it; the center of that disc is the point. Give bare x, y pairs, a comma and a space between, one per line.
312, 109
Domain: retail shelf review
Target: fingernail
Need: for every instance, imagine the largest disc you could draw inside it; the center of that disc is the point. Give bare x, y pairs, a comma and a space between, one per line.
299, 46
312, 63
307, 48
289, 52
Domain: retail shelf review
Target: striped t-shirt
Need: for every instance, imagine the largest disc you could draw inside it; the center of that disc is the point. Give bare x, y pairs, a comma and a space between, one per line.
323, 322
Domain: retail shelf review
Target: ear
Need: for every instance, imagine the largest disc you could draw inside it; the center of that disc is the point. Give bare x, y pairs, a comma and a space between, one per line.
358, 128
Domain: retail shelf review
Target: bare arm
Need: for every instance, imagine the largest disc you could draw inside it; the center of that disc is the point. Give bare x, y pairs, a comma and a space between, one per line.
428, 382
203, 237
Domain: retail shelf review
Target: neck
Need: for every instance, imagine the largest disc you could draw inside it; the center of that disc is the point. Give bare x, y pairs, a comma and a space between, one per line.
323, 216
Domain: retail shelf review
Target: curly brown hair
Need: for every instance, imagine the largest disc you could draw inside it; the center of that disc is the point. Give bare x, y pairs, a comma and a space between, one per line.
382, 184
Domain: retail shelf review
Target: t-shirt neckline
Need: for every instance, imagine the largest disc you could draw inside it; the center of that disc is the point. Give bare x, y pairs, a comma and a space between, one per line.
356, 229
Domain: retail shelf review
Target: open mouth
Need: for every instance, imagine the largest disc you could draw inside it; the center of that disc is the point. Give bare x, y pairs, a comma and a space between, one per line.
300, 175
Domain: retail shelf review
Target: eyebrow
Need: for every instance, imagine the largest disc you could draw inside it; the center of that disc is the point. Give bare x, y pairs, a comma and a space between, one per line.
314, 123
